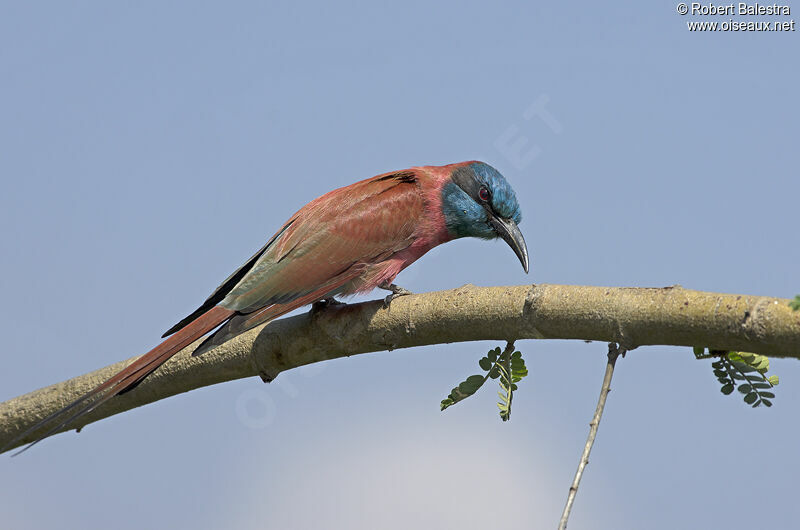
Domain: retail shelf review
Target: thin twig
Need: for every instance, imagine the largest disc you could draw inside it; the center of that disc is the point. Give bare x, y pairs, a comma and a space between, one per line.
613, 353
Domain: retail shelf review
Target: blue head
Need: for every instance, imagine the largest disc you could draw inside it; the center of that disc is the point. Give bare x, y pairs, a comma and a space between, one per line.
479, 202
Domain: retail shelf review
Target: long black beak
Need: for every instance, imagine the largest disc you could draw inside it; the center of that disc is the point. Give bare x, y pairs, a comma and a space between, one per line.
509, 231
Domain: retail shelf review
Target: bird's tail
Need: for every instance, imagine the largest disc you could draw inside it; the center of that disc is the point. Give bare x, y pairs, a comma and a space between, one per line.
242, 322
126, 379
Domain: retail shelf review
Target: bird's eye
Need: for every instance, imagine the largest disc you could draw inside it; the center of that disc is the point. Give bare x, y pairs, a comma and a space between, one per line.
483, 194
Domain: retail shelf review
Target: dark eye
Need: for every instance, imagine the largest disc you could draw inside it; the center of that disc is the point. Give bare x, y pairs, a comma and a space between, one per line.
483, 194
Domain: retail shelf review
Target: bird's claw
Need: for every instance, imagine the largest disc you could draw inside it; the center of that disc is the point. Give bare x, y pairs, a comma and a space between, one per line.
319, 305
396, 293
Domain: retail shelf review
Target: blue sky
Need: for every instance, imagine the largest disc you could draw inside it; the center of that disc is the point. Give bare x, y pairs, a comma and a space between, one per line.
148, 149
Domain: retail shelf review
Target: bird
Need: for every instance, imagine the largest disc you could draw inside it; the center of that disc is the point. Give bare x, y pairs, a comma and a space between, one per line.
348, 241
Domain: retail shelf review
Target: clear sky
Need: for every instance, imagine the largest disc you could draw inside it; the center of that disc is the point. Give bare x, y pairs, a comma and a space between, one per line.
147, 149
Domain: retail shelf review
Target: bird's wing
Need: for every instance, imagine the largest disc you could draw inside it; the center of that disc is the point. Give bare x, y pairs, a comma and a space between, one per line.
340, 232
331, 237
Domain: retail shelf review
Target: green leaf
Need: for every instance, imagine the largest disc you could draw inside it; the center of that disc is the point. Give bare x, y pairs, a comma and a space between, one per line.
748, 371
795, 304
698, 350
464, 389
505, 365
472, 382
755, 361
744, 367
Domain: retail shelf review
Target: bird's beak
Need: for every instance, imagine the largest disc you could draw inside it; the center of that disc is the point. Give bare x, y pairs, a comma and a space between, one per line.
509, 231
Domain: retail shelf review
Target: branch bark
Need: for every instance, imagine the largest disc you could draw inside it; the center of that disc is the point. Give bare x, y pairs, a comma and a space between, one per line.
631, 317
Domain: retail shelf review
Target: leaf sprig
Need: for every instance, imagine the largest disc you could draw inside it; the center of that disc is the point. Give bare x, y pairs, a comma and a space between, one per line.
745, 370
507, 366
795, 304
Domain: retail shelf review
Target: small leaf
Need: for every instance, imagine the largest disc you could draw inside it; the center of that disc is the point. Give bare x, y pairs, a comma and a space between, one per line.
744, 367
485, 364
493, 354
766, 402
773, 379
727, 389
698, 350
471, 384
795, 304
745, 389
721, 373
750, 398
464, 390
767, 395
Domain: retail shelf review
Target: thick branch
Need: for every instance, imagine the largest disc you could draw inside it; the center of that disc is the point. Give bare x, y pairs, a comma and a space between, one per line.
629, 316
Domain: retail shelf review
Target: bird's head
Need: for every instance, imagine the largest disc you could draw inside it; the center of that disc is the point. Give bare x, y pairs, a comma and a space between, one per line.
479, 202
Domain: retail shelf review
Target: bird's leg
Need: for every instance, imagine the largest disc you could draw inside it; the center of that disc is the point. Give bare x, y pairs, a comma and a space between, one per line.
319, 305
396, 292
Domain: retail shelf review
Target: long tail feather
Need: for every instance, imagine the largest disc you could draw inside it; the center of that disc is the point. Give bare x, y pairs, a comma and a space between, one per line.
240, 323
127, 378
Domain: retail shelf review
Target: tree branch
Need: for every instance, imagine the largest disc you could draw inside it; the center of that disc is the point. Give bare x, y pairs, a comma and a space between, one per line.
630, 317
613, 353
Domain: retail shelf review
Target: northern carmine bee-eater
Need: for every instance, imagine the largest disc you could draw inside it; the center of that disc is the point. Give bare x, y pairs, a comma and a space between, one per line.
348, 241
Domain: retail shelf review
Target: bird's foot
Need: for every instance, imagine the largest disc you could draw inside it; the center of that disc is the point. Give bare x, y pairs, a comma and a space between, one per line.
396, 292
319, 305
